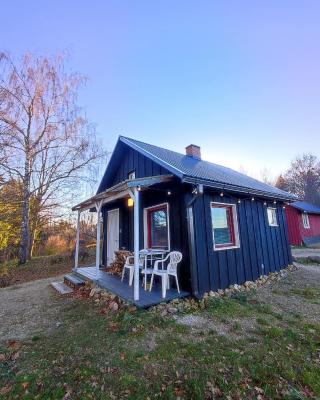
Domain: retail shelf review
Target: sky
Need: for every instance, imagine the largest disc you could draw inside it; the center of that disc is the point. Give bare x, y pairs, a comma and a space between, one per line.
238, 78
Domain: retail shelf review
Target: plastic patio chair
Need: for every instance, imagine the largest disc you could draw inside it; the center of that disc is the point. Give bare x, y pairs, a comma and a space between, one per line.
174, 258
129, 264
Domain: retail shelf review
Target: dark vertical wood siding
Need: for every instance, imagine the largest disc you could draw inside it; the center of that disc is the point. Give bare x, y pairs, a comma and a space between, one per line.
263, 248
130, 161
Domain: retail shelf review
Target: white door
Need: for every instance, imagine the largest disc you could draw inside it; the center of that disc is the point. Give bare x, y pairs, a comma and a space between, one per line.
112, 234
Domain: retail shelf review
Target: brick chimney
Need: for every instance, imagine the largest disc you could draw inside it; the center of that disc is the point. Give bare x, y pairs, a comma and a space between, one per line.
193, 151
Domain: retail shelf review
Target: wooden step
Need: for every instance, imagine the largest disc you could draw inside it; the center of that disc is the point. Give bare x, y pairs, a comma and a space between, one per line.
73, 280
61, 287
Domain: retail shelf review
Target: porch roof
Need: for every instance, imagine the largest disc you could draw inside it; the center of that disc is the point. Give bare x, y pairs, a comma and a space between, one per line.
120, 190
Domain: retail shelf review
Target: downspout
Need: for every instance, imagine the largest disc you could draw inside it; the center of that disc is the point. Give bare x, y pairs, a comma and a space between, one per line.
198, 191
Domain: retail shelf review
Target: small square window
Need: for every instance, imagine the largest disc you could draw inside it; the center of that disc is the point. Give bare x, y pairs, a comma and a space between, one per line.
272, 216
132, 175
305, 220
224, 226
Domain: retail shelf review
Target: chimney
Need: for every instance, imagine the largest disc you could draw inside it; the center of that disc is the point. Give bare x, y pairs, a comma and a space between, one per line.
193, 151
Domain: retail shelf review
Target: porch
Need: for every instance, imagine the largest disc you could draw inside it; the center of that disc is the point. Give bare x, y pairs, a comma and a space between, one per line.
123, 217
114, 285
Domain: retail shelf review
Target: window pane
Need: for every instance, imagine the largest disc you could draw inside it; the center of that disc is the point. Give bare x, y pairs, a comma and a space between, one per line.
159, 228
220, 223
305, 219
272, 216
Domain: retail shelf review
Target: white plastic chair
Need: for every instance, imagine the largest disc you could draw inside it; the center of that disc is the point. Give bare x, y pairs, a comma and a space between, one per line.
174, 258
145, 270
130, 266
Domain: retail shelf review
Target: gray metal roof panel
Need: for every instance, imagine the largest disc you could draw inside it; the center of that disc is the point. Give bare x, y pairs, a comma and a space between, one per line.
183, 165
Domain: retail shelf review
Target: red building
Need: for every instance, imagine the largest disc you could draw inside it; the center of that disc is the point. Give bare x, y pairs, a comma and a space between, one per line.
303, 223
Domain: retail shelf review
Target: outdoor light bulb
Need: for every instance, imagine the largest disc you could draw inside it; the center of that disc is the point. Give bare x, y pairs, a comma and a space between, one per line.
239, 201
130, 202
139, 188
284, 207
252, 199
274, 202
169, 193
265, 203
221, 194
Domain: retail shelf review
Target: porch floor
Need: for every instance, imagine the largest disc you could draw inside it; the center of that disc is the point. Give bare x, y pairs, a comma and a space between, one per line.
122, 289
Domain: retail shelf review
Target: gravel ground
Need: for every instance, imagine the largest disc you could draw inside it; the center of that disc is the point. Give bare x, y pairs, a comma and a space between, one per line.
30, 309
303, 253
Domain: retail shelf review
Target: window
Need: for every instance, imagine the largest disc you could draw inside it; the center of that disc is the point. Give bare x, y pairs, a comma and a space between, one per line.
224, 226
305, 220
272, 216
157, 227
132, 175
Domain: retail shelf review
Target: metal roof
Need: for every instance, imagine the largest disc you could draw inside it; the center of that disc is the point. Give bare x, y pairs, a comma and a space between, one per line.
306, 207
120, 190
192, 170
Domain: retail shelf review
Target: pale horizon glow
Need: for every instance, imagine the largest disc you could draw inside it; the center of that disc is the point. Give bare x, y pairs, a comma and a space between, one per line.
239, 79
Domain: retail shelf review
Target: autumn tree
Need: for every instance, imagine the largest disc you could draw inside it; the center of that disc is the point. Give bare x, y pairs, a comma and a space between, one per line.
10, 218
303, 178
46, 142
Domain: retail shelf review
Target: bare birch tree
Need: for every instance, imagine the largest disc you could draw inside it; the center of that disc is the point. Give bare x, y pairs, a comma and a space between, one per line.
45, 140
303, 178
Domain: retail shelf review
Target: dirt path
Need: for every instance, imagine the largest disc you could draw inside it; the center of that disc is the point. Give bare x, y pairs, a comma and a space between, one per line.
30, 309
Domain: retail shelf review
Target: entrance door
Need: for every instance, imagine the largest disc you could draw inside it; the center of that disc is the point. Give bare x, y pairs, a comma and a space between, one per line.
112, 234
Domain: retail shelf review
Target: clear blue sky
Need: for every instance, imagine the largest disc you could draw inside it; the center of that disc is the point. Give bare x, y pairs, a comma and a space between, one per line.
239, 78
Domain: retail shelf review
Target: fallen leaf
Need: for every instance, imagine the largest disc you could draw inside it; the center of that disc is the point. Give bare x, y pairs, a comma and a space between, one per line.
2, 357
5, 389
25, 385
15, 356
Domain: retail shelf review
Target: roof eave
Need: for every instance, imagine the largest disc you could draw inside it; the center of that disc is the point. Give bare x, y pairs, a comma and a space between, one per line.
238, 189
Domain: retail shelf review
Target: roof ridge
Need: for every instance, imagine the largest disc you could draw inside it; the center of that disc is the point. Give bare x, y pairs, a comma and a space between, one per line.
207, 162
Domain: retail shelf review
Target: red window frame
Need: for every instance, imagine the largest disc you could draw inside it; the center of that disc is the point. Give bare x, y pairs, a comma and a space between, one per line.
150, 210
231, 223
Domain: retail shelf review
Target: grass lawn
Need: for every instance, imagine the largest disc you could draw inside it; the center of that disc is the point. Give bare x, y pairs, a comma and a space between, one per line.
266, 354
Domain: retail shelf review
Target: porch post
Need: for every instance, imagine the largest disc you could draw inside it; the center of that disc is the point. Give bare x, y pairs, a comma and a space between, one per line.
98, 207
136, 245
76, 255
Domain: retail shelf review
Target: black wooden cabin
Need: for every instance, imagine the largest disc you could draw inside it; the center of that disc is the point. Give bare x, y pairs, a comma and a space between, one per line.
229, 227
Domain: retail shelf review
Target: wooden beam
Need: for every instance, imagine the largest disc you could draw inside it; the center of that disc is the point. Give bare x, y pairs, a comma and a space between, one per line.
148, 181
76, 255
136, 245
98, 208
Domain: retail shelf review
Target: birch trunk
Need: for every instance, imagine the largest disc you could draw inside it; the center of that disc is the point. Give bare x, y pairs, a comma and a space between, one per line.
25, 232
